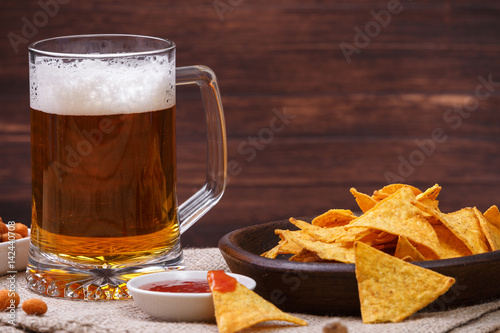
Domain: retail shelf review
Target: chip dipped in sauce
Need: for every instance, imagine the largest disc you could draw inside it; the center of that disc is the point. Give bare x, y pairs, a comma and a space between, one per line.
221, 282
178, 286
237, 307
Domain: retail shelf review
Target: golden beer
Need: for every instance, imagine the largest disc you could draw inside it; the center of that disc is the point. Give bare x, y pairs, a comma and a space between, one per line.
104, 205
104, 186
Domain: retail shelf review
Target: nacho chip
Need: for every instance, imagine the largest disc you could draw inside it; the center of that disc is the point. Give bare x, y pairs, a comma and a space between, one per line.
288, 246
352, 235
285, 246
372, 238
365, 202
451, 245
390, 189
327, 251
493, 215
379, 196
430, 194
405, 249
391, 289
383, 238
463, 223
334, 218
429, 198
491, 232
306, 256
329, 235
388, 248
428, 254
272, 253
397, 216
241, 308
432, 219
433, 204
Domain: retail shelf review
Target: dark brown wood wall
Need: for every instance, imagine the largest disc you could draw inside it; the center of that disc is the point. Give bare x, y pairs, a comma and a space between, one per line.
413, 101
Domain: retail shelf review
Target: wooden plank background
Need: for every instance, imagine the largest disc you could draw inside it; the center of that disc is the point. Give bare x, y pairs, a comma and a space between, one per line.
348, 124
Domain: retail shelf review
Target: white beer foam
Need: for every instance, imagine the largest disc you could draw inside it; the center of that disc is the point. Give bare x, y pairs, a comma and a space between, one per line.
102, 86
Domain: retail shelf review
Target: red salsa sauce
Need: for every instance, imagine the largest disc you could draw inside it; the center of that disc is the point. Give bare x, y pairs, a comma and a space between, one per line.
221, 282
178, 286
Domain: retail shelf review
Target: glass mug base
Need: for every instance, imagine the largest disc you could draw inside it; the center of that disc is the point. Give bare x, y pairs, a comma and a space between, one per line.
51, 275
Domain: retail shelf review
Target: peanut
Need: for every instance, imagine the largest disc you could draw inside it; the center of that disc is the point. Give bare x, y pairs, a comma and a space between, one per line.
21, 229
5, 237
8, 297
3, 228
34, 306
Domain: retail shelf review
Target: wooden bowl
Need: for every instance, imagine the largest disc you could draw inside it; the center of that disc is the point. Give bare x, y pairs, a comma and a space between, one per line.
331, 288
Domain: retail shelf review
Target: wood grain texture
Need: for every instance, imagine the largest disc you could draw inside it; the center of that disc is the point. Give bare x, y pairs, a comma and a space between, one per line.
346, 124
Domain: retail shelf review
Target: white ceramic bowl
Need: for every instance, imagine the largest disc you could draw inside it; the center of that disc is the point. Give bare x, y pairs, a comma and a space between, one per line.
19, 261
177, 306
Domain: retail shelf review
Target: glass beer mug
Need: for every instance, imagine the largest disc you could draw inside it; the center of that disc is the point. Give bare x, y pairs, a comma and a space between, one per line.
104, 205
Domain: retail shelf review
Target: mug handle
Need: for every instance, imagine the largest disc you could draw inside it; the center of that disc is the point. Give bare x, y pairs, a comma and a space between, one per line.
205, 198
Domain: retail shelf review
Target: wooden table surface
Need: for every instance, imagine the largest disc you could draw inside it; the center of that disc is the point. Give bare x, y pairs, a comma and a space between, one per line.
319, 96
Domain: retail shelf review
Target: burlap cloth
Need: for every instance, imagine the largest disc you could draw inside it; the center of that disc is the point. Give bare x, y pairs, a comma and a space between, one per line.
124, 316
